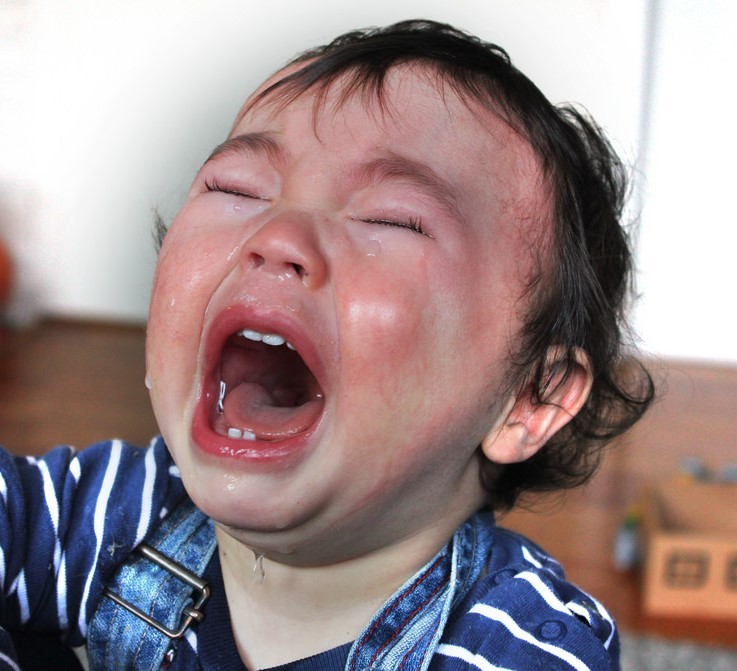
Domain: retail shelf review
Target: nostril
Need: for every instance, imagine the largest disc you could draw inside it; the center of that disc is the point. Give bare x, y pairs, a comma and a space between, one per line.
257, 260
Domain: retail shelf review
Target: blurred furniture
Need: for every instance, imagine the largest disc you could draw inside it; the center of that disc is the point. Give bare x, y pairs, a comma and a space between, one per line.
6, 274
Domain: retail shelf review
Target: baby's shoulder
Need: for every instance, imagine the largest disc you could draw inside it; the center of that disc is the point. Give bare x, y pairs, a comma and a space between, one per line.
76, 514
523, 614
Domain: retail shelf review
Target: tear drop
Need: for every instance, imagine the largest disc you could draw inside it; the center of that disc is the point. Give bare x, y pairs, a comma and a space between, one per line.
258, 568
373, 247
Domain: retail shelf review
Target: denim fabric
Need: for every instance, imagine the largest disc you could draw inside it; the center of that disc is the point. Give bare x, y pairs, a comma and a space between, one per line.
118, 639
403, 635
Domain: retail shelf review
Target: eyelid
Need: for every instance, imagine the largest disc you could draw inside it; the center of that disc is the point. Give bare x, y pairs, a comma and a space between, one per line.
410, 223
213, 185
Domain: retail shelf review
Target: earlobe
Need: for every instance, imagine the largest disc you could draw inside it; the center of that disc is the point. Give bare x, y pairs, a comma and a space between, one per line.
528, 422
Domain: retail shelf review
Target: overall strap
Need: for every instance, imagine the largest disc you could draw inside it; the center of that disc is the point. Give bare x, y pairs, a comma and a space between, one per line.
155, 596
405, 633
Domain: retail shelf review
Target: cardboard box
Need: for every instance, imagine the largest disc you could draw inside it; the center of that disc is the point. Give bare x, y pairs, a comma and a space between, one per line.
690, 542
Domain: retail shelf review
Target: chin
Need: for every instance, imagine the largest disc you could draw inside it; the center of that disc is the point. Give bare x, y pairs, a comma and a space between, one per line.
252, 497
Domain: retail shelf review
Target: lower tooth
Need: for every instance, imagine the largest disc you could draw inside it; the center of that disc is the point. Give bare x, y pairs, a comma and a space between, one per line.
241, 435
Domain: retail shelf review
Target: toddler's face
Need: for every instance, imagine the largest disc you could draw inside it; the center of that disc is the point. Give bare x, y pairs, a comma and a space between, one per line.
332, 316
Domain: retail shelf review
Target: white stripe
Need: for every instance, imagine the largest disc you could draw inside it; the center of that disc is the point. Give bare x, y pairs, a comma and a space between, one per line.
544, 591
50, 496
52, 505
191, 638
25, 609
13, 586
4, 494
99, 526
61, 593
174, 471
9, 662
75, 469
528, 556
579, 610
467, 656
146, 497
605, 614
517, 631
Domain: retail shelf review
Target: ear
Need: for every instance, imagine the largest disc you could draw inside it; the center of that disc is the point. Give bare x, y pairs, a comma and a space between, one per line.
528, 423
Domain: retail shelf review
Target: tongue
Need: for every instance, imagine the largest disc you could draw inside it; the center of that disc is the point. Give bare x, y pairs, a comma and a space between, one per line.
251, 407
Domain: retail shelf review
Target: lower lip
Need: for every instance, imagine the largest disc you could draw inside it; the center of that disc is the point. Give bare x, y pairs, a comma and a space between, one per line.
253, 451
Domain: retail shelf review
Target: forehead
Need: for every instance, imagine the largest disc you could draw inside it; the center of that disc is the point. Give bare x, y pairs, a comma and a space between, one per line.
415, 110
400, 96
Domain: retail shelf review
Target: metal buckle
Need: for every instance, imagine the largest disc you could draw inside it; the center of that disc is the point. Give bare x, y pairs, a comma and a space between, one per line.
189, 614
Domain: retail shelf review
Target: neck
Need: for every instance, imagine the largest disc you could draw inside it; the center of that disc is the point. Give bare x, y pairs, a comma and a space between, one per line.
292, 612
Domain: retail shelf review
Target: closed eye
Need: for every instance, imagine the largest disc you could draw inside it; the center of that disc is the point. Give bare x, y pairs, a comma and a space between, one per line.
215, 186
413, 224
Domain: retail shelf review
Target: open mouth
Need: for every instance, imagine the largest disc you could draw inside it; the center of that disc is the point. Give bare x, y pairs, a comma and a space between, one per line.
265, 390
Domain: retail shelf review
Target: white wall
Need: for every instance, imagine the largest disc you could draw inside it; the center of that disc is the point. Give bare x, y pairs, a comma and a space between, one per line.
688, 239
107, 109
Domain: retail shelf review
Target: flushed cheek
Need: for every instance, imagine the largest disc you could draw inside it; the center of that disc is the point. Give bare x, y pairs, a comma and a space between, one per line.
171, 319
192, 263
381, 323
387, 362
182, 289
171, 363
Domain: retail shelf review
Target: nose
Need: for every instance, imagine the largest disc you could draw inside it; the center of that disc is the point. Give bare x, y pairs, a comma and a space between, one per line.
287, 247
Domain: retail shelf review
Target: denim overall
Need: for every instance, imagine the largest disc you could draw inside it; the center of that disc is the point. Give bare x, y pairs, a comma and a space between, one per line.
158, 594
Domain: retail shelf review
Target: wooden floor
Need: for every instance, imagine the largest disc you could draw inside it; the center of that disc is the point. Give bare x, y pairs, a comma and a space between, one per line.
78, 383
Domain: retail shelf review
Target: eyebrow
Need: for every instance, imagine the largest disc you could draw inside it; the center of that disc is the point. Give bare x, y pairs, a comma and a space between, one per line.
248, 144
396, 166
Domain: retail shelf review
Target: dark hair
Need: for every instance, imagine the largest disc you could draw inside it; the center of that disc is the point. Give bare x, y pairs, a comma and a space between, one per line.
578, 296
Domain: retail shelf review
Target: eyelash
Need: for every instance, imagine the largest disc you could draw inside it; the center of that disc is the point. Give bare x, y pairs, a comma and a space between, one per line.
214, 186
413, 224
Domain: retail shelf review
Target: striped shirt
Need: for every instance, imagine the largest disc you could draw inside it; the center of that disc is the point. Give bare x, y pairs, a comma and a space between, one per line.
68, 519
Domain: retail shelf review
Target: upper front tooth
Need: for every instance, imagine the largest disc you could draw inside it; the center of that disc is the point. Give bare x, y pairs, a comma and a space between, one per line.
273, 339
268, 338
252, 335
